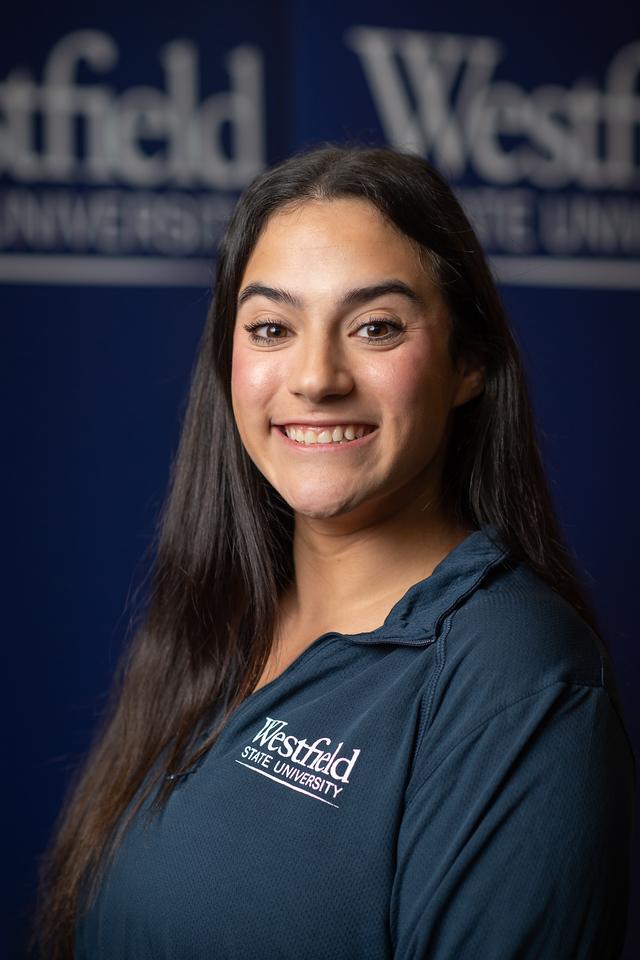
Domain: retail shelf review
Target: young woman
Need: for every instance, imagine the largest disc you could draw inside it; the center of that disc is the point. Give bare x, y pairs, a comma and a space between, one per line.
368, 713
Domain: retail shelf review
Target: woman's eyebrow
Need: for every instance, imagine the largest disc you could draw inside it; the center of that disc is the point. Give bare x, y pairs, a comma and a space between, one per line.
361, 295
352, 298
277, 294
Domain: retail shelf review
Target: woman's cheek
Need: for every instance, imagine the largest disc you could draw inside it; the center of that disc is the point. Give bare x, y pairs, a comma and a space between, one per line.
399, 380
256, 382
253, 382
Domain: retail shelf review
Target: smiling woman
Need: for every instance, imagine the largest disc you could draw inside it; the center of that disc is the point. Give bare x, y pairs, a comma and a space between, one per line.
368, 713
357, 347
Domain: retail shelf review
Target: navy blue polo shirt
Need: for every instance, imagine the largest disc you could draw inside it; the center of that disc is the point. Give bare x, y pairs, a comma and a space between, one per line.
456, 784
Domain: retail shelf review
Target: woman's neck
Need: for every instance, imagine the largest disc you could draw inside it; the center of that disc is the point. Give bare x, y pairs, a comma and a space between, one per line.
350, 571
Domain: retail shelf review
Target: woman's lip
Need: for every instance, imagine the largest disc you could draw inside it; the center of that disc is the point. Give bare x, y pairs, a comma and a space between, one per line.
323, 447
321, 423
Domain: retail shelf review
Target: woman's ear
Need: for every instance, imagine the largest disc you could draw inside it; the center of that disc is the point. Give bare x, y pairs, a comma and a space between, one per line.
471, 380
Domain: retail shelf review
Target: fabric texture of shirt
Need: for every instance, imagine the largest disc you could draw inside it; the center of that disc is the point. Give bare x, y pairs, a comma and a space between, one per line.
456, 784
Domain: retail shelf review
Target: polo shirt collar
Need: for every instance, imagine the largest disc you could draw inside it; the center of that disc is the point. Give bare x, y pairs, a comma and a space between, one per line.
416, 617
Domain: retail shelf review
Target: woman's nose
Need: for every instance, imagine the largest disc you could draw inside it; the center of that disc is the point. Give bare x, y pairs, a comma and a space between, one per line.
319, 371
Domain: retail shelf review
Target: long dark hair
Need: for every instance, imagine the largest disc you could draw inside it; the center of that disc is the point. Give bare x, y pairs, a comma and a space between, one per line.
224, 551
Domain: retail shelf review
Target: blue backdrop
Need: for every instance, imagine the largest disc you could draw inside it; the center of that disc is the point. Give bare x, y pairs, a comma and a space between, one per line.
124, 140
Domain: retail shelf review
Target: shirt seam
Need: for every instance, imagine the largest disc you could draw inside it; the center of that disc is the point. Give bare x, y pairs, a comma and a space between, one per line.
446, 620
441, 656
496, 713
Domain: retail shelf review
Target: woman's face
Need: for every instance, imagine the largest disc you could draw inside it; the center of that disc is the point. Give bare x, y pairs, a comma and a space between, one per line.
342, 384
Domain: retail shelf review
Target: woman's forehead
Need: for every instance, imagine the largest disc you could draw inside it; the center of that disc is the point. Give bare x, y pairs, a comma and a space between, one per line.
346, 241
348, 213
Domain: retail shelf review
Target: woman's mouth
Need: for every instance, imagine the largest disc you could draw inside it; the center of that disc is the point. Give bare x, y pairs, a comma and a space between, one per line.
326, 435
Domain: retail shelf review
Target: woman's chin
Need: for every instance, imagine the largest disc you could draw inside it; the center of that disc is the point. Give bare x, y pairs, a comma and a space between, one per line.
321, 511
320, 504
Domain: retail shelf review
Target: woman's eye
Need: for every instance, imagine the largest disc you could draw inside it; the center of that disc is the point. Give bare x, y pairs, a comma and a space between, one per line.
379, 330
266, 332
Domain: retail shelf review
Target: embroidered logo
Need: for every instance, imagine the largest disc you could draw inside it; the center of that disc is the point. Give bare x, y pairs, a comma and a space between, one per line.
310, 768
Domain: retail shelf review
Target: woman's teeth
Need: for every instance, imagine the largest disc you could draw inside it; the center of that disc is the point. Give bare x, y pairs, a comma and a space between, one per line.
337, 434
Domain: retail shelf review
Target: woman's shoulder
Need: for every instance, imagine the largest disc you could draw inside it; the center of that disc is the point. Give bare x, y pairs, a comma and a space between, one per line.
517, 625
515, 638
515, 658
